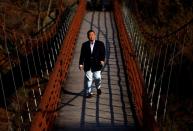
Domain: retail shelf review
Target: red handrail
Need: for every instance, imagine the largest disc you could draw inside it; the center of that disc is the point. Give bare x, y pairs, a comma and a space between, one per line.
144, 117
45, 116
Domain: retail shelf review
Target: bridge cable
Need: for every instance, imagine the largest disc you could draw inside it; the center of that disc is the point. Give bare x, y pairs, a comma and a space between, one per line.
36, 73
22, 79
12, 73
44, 56
155, 78
168, 86
39, 59
5, 103
160, 87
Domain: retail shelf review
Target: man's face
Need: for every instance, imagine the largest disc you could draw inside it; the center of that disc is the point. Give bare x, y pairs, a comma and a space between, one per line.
91, 36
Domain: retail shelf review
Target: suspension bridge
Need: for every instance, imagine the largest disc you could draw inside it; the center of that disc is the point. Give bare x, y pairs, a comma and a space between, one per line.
42, 87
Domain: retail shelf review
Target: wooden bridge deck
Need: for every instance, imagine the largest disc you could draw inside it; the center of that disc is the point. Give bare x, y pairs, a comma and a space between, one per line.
112, 109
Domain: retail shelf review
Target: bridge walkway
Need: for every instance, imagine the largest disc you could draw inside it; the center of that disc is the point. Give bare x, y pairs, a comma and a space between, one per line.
111, 110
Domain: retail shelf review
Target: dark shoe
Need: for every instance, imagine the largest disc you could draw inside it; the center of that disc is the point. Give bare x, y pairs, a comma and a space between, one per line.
99, 92
89, 95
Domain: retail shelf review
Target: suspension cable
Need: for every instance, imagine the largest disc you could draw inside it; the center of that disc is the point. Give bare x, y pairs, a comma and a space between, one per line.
144, 63
48, 53
12, 74
155, 78
168, 87
36, 73
151, 69
147, 65
28, 67
22, 78
44, 57
39, 59
5, 103
160, 87
53, 49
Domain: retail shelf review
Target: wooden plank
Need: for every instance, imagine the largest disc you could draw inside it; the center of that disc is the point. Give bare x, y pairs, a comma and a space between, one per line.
112, 109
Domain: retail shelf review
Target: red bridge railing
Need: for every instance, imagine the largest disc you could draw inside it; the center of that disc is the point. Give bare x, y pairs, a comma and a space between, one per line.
144, 118
165, 66
47, 109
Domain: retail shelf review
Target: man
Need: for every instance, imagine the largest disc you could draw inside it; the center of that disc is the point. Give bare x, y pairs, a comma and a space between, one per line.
92, 59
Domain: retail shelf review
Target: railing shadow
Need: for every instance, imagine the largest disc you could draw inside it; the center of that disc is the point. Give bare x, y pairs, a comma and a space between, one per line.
110, 78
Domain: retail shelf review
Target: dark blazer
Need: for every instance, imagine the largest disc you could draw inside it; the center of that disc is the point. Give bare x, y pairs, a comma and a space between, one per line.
92, 61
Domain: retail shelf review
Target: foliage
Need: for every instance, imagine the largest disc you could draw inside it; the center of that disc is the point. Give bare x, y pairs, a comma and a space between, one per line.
163, 16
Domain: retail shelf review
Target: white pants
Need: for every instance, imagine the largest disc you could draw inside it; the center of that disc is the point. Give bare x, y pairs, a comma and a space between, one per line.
90, 77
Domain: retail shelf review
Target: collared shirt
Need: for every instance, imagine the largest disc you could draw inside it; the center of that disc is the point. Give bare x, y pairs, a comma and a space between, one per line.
92, 46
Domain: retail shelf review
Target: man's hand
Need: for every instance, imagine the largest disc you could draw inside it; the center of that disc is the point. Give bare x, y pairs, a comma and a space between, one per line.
80, 67
102, 63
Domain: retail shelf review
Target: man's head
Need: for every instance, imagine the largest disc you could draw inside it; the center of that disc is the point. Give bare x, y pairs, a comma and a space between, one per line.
91, 35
